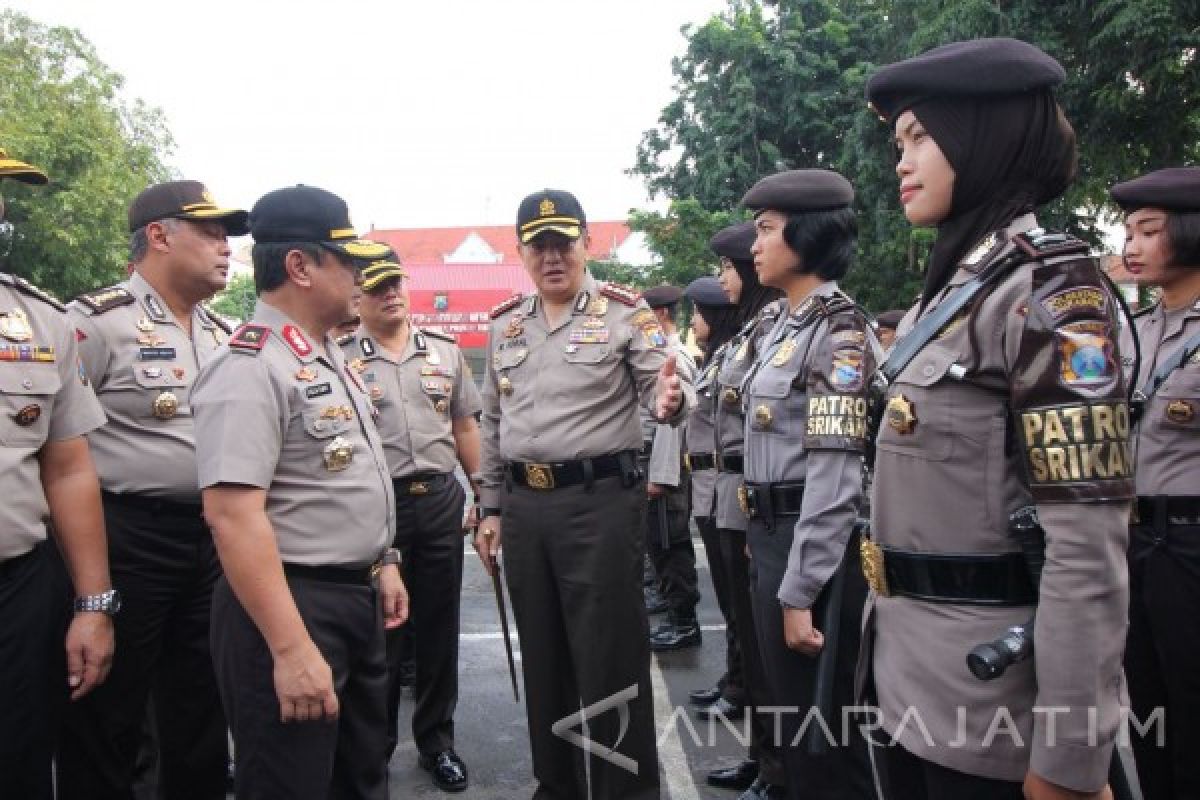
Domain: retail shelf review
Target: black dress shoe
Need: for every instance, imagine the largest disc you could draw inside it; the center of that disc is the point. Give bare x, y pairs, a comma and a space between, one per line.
760, 790
723, 707
655, 604
676, 637
740, 777
448, 770
704, 697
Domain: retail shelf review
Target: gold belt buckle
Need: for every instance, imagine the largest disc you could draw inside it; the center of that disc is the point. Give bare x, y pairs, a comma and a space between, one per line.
376, 568
687, 461
743, 495
539, 476
418, 487
872, 566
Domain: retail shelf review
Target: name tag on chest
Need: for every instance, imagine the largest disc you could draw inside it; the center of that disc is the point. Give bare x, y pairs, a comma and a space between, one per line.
156, 353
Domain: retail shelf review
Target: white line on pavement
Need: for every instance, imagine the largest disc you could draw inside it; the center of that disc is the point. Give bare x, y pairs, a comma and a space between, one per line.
675, 768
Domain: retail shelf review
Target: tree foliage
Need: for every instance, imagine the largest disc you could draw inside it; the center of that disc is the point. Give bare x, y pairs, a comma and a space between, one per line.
762, 88
63, 111
236, 300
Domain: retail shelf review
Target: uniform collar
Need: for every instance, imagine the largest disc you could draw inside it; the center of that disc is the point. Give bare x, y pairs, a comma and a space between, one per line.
294, 338
155, 307
588, 292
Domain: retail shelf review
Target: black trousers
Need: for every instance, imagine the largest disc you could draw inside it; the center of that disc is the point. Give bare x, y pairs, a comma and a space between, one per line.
675, 563
346, 758
430, 537
843, 770
573, 561
33, 670
164, 564
731, 683
763, 747
908, 777
1162, 657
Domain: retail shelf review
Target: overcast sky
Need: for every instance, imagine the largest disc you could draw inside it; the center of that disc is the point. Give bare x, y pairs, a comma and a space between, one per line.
417, 113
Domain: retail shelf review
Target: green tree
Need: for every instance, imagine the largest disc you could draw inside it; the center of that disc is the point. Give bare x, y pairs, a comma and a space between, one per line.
236, 300
680, 238
64, 111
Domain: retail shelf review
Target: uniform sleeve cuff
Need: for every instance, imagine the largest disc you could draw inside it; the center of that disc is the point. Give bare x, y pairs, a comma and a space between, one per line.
1078, 767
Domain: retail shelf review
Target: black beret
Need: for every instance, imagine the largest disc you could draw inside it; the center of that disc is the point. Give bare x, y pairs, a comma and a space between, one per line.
707, 292
662, 296
890, 319
975, 68
734, 242
800, 190
1173, 189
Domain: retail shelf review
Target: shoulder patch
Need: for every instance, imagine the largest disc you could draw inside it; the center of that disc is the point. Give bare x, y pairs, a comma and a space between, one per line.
507, 305
103, 300
438, 333
620, 293
25, 287
1041, 244
250, 338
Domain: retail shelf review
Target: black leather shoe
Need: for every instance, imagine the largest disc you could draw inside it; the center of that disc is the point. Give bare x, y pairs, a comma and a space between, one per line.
448, 770
721, 706
655, 604
740, 777
760, 790
704, 697
676, 637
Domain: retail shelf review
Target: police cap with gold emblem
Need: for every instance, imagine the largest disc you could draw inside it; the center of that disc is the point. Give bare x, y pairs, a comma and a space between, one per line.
800, 190
706, 292
663, 296
19, 170
183, 200
734, 242
308, 215
975, 68
1171, 189
378, 271
550, 210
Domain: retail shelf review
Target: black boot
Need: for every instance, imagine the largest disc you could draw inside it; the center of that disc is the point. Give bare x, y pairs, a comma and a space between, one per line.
655, 604
680, 633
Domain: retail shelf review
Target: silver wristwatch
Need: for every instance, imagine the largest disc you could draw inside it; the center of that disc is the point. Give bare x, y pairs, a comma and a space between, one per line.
106, 602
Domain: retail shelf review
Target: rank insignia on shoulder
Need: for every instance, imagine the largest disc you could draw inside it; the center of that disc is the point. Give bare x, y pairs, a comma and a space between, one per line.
1040, 244
438, 333
980, 250
25, 287
250, 337
103, 300
622, 294
507, 305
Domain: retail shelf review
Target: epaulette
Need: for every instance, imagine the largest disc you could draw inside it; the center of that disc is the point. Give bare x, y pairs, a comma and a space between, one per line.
216, 319
507, 305
25, 287
344, 339
622, 294
249, 338
438, 333
103, 300
1141, 312
1041, 244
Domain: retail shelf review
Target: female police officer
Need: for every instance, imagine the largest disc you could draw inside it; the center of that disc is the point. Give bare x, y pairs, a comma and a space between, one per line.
1162, 654
1009, 395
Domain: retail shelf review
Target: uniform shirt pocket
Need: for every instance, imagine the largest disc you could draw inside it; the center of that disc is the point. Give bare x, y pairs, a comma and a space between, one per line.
767, 405
26, 402
918, 417
327, 422
586, 354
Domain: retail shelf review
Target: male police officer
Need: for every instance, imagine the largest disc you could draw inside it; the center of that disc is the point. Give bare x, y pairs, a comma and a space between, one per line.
297, 490
560, 440
50, 487
142, 343
427, 403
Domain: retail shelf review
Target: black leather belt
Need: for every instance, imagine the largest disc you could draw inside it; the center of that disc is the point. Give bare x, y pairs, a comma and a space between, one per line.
647, 449
770, 500
8, 566
560, 474
350, 576
696, 462
1000, 579
730, 463
416, 485
1160, 508
153, 505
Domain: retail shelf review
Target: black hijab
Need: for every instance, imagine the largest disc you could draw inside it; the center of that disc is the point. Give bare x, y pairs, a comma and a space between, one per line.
754, 295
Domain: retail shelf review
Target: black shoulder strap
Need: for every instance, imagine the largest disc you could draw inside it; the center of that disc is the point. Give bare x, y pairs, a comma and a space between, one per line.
1177, 360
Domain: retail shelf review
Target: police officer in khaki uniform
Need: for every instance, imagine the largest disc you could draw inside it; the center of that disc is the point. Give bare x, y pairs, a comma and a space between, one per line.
668, 537
1014, 399
50, 490
567, 369
805, 400
299, 495
427, 404
142, 343
1162, 655
762, 773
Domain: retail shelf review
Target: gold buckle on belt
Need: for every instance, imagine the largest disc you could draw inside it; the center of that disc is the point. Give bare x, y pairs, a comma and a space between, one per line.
539, 476
743, 495
872, 566
687, 461
418, 487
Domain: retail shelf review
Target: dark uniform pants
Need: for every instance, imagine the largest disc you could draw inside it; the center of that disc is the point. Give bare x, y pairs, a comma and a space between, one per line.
675, 563
1162, 657
909, 777
843, 770
346, 758
573, 560
731, 683
763, 748
33, 671
164, 564
430, 537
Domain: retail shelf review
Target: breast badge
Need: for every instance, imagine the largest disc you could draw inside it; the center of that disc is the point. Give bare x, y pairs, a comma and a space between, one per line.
306, 374
505, 386
145, 325
784, 353
14, 326
376, 392
338, 454
901, 416
28, 415
441, 405
763, 416
730, 396
166, 405
1180, 412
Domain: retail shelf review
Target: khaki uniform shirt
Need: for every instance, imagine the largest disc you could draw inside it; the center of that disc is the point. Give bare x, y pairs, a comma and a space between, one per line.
142, 364
418, 394
44, 397
288, 415
571, 391
1168, 435
806, 420
730, 420
1028, 383
700, 437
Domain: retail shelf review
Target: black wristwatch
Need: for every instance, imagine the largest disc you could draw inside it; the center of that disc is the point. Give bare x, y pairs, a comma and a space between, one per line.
106, 602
